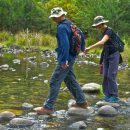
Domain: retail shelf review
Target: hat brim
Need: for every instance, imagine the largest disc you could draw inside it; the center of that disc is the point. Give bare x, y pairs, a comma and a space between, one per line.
94, 25
56, 16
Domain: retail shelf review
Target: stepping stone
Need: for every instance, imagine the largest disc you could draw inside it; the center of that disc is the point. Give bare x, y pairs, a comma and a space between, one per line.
27, 106
73, 111
6, 115
107, 111
20, 123
103, 103
91, 87
78, 125
2, 127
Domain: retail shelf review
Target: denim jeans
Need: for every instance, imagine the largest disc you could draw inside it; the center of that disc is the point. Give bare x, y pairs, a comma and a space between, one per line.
66, 75
110, 68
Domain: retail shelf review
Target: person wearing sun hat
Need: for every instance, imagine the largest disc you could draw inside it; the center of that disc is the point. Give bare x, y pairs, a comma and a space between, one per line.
64, 68
109, 60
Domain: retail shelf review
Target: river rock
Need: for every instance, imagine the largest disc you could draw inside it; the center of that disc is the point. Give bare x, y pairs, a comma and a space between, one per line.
107, 111
44, 65
78, 125
2, 127
4, 67
6, 115
60, 114
70, 102
73, 111
91, 87
128, 101
20, 123
14, 47
27, 106
103, 103
16, 61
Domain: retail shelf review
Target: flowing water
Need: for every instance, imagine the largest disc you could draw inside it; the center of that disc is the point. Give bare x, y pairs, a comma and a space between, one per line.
25, 78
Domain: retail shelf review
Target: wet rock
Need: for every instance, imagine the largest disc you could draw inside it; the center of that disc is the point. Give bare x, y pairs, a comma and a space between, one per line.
60, 114
78, 125
20, 123
103, 103
31, 58
16, 61
70, 102
44, 65
27, 106
91, 87
100, 129
127, 111
4, 67
73, 111
46, 81
2, 127
107, 111
14, 47
6, 115
32, 115
83, 62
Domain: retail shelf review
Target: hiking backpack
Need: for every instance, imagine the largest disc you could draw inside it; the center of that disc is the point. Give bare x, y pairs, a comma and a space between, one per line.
118, 43
76, 38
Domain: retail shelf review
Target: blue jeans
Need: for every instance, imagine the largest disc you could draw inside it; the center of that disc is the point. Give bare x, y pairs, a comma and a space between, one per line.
66, 75
110, 68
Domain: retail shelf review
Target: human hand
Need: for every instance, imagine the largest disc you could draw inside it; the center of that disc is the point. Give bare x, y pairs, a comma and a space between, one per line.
86, 50
64, 66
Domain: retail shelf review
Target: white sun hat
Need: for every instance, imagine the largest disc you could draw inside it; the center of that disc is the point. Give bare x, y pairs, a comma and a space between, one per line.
57, 12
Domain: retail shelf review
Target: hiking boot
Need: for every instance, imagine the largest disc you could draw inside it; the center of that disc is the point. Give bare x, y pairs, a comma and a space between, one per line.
113, 99
80, 105
43, 111
106, 98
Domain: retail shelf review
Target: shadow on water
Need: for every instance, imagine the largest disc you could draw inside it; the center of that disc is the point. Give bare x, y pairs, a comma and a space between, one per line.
25, 78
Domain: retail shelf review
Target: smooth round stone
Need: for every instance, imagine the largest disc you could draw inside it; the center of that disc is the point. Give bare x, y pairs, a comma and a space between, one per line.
91, 87
107, 111
44, 65
78, 125
103, 103
2, 127
73, 111
6, 115
20, 123
70, 102
27, 106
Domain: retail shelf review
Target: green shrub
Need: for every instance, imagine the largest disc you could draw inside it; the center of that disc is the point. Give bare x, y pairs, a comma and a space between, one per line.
6, 38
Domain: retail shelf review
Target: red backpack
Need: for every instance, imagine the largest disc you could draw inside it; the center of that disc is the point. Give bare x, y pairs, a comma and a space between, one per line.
76, 38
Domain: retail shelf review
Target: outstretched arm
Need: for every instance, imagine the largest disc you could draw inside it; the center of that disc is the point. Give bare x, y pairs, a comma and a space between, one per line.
98, 44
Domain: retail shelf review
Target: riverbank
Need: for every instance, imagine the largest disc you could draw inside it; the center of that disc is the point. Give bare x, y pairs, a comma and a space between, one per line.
34, 40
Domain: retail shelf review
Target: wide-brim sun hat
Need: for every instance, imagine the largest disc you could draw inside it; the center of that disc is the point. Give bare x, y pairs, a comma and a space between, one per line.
99, 20
57, 12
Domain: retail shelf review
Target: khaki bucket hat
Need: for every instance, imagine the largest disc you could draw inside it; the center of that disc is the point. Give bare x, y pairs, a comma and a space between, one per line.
57, 12
99, 20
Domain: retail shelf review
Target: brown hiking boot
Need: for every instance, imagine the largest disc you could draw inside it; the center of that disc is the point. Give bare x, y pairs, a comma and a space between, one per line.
43, 111
80, 105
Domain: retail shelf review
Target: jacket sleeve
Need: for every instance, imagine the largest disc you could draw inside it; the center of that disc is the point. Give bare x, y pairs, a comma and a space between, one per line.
63, 40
